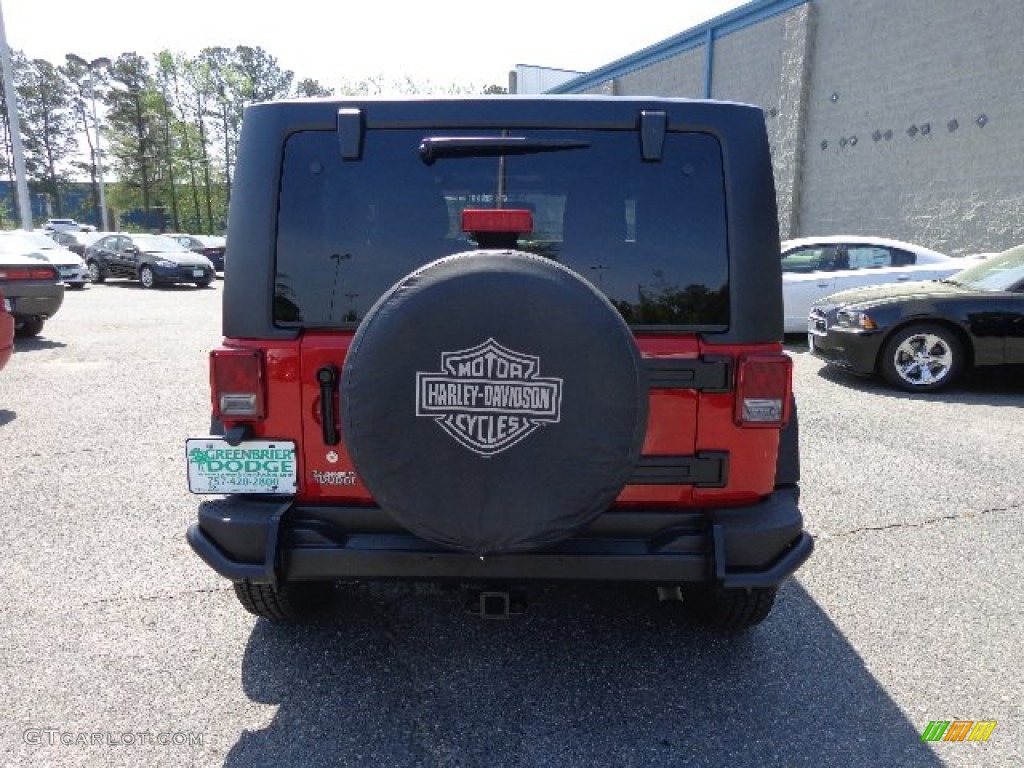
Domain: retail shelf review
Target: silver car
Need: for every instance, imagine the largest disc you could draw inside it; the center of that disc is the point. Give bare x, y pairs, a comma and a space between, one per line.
39, 245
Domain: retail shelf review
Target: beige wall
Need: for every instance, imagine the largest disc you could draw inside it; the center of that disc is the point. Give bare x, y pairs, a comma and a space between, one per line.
746, 65
892, 66
918, 64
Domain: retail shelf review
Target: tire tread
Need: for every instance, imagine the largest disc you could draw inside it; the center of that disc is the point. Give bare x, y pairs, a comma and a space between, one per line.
286, 603
266, 601
731, 610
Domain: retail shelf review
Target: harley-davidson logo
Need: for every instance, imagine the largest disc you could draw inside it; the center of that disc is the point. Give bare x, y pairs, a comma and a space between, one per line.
488, 397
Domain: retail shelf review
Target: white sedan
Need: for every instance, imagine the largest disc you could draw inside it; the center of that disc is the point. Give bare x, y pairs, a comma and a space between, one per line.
813, 267
37, 245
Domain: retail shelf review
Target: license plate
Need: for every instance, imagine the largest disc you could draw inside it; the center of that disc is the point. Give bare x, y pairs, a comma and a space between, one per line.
253, 466
197, 273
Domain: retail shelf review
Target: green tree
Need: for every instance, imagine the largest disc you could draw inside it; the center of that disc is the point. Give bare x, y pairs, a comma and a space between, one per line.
6, 149
48, 127
224, 110
311, 88
201, 90
172, 67
132, 113
168, 134
84, 88
261, 77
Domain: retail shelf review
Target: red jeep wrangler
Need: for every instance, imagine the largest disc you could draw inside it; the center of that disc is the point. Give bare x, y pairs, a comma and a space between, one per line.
502, 340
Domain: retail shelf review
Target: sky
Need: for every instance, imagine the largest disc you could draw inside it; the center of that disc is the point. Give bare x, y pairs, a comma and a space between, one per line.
451, 42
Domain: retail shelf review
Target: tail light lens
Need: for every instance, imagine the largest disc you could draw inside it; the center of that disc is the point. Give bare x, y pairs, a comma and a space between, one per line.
764, 386
28, 273
236, 383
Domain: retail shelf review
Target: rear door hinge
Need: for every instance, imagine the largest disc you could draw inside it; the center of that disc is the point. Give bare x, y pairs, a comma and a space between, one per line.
708, 469
705, 374
350, 133
652, 134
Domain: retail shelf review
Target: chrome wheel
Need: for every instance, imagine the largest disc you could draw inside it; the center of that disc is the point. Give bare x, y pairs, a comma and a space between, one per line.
922, 358
95, 273
146, 277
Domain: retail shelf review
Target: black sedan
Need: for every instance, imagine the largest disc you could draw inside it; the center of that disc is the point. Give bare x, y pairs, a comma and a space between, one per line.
921, 336
150, 259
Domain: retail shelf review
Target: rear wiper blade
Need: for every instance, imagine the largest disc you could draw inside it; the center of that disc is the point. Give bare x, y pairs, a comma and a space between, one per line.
434, 147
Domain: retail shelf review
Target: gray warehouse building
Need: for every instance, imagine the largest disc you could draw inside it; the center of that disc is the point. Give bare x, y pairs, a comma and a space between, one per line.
901, 119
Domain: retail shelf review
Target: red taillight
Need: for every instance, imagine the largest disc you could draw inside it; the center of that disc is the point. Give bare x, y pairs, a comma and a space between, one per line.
511, 220
764, 385
236, 381
28, 273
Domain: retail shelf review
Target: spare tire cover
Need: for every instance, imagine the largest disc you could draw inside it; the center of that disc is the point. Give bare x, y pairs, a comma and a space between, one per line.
494, 401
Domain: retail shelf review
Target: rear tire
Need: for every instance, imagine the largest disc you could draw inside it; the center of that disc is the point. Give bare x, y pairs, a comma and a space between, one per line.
284, 603
730, 610
96, 273
30, 328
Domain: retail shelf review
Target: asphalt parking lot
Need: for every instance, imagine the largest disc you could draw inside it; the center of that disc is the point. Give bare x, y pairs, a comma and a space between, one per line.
119, 647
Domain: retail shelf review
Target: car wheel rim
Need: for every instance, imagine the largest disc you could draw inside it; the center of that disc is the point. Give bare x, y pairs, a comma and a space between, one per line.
923, 359
147, 278
94, 272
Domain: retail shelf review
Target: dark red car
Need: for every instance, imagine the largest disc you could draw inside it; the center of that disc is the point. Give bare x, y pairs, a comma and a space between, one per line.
211, 246
6, 331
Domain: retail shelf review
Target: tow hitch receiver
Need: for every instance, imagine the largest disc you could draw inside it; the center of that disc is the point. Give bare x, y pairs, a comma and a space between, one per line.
496, 603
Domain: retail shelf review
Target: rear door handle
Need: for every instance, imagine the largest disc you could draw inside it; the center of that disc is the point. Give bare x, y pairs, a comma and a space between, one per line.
328, 379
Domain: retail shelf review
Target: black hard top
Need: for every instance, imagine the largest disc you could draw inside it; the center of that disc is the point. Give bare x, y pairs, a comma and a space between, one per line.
754, 268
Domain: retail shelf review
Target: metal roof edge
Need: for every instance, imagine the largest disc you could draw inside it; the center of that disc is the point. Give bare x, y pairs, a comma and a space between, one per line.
739, 18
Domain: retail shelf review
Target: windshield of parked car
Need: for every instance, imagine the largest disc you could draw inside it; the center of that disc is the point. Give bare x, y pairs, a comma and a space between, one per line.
210, 241
1004, 272
88, 238
158, 244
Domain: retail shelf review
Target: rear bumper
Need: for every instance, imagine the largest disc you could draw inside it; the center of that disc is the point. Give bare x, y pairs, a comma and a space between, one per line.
262, 541
30, 299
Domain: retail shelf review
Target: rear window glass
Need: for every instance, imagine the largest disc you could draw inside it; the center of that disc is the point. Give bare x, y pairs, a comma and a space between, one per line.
650, 235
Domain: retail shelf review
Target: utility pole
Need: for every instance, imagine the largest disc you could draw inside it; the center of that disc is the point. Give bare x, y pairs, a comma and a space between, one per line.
11, 96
